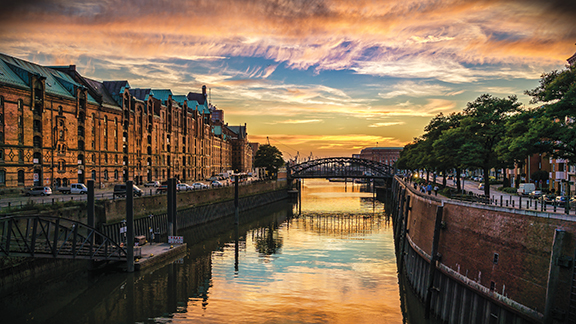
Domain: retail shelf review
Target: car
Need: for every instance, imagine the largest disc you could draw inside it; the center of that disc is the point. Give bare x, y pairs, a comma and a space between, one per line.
154, 184
183, 187
120, 191
549, 198
481, 186
75, 188
38, 191
199, 186
535, 194
560, 200
216, 184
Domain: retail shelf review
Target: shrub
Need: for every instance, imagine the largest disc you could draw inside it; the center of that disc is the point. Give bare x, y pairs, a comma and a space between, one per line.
508, 190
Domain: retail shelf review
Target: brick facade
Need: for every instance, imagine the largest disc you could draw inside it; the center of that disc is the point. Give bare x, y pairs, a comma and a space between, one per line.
58, 127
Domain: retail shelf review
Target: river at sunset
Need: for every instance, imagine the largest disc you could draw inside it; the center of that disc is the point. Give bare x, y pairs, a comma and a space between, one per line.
333, 263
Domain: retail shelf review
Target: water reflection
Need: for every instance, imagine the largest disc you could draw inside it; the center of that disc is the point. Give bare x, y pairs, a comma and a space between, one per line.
334, 263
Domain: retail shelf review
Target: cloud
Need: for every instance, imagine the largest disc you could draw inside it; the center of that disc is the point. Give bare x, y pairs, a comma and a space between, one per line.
297, 121
420, 89
386, 124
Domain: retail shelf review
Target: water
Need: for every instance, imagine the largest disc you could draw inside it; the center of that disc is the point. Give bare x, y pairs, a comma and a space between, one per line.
334, 263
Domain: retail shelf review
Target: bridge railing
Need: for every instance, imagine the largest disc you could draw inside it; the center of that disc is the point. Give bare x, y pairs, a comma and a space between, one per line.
55, 237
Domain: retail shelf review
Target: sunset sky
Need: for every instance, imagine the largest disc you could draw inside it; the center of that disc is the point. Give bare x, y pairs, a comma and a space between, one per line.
326, 78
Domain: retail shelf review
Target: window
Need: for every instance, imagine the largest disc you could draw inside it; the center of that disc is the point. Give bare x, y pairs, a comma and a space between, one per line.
94, 175
21, 156
115, 174
61, 166
60, 111
2, 178
561, 167
21, 177
106, 175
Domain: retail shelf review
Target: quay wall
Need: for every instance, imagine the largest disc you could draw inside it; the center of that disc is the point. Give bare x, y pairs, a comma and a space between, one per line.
115, 210
497, 254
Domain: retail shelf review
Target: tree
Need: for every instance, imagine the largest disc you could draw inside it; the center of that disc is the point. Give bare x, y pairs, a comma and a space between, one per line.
483, 127
552, 127
269, 157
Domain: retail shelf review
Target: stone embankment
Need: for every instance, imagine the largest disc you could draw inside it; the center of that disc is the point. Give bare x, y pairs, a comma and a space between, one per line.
476, 263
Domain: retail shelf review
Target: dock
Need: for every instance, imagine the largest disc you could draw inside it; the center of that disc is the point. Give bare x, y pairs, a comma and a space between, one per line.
151, 254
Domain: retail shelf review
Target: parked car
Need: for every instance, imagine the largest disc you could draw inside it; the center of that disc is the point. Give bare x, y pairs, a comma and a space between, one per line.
183, 187
216, 184
535, 194
560, 200
163, 187
549, 198
199, 186
154, 184
75, 188
38, 191
481, 186
120, 191
525, 189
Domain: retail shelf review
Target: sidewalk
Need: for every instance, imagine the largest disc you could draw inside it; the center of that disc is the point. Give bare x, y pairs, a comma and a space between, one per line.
499, 198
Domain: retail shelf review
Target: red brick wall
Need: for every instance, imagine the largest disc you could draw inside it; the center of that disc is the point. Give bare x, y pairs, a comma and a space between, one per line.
474, 232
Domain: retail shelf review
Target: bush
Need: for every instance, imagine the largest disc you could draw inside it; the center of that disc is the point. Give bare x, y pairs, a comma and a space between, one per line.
508, 190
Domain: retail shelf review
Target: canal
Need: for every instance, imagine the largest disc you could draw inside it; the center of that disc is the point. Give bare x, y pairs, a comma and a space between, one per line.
333, 263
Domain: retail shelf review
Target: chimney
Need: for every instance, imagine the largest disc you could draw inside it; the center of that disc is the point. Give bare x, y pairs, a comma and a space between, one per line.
204, 91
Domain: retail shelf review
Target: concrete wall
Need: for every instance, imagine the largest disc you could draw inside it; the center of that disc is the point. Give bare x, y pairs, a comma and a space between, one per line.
473, 233
115, 210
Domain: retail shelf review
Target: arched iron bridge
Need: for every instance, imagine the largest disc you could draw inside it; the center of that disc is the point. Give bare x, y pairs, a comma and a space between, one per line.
340, 167
55, 237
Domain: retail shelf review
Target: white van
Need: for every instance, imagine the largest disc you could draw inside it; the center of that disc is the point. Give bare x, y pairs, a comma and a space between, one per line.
525, 189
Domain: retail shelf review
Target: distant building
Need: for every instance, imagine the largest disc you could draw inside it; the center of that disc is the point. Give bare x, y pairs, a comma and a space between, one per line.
386, 155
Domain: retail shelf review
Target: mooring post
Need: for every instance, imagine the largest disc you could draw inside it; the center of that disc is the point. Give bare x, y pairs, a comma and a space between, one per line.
170, 189
553, 274
129, 226
433, 259
236, 211
299, 197
90, 216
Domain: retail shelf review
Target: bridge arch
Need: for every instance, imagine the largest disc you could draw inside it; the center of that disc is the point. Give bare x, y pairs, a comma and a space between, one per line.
340, 167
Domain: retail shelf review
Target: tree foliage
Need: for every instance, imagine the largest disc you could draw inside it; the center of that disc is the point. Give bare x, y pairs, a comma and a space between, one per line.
269, 157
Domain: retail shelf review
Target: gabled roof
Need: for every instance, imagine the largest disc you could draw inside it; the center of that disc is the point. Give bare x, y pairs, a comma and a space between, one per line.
240, 131
200, 98
180, 99
141, 94
7, 75
162, 94
107, 99
16, 72
116, 89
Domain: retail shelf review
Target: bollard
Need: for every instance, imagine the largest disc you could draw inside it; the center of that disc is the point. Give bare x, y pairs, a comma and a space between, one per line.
506, 203
554, 207
52, 201
512, 203
500, 201
536, 205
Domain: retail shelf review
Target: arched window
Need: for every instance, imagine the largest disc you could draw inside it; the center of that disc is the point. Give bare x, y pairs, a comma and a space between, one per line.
94, 175
60, 111
149, 161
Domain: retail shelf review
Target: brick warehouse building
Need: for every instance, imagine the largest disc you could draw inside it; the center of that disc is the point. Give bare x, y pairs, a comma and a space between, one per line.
58, 127
386, 155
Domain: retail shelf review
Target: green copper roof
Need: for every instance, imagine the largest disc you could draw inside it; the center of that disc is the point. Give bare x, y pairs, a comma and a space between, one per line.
162, 94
